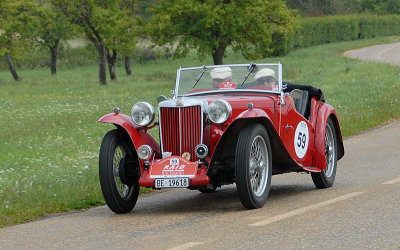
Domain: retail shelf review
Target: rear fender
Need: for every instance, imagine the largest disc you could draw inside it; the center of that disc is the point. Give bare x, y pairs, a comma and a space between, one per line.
325, 112
138, 136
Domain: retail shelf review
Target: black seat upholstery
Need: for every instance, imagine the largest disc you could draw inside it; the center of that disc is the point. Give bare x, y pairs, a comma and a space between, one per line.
301, 103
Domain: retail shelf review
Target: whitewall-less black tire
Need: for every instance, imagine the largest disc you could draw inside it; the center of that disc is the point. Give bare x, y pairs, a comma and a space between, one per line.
253, 166
326, 177
117, 172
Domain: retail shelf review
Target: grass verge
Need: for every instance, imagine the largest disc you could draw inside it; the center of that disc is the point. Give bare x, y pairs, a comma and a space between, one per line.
50, 136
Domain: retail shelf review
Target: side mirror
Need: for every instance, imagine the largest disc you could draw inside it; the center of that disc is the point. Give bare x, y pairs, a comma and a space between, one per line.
161, 98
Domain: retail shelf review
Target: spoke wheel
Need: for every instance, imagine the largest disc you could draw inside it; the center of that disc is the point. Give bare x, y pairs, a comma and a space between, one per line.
253, 166
117, 172
326, 177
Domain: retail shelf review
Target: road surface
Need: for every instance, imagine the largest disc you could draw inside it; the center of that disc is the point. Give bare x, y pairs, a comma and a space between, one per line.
386, 53
361, 210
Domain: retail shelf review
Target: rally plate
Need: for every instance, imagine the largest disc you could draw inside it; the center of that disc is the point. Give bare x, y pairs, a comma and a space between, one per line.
172, 183
173, 167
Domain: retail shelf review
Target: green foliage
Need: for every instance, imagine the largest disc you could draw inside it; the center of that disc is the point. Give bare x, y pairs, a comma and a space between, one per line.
210, 26
309, 8
325, 7
104, 20
16, 22
381, 6
319, 30
329, 29
52, 28
373, 26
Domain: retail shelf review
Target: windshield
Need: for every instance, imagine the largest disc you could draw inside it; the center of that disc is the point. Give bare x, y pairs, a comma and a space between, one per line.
222, 78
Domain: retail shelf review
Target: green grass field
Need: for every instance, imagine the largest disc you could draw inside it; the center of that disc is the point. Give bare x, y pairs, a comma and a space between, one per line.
50, 137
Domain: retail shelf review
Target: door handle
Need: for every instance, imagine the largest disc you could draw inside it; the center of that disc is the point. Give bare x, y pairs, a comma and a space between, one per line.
288, 126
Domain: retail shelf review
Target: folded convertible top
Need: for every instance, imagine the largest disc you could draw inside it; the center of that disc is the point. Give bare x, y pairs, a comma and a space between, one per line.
312, 91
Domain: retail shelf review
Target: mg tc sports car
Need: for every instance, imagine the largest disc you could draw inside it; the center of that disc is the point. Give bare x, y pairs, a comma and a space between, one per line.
224, 124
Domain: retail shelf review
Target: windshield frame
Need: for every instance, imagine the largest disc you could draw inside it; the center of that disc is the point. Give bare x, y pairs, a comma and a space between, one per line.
220, 91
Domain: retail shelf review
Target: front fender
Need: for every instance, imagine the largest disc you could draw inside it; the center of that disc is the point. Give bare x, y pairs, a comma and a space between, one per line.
253, 113
138, 136
218, 132
325, 112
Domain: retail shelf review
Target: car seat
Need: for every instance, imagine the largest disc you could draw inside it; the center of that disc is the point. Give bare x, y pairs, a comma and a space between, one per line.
301, 101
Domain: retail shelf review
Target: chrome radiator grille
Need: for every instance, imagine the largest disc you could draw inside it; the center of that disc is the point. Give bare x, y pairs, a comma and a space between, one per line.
181, 129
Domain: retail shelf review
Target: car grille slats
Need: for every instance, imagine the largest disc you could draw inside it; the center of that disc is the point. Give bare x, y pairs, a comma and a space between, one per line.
181, 129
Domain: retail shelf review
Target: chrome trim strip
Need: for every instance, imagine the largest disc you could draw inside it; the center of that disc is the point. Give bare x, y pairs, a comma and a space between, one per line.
178, 77
180, 130
279, 65
230, 65
232, 91
160, 129
186, 101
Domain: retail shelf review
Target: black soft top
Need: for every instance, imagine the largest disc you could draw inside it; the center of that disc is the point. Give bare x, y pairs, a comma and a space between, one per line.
312, 91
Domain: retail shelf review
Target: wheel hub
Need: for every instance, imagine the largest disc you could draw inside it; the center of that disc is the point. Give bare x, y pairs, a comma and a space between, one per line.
125, 170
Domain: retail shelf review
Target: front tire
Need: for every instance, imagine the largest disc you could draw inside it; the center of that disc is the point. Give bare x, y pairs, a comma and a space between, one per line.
326, 177
118, 172
253, 166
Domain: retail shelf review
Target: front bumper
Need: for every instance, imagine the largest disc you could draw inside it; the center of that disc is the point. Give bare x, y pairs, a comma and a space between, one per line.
174, 167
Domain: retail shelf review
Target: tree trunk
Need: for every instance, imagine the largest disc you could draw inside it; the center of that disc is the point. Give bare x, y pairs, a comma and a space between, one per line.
11, 66
54, 54
218, 55
111, 63
128, 65
101, 49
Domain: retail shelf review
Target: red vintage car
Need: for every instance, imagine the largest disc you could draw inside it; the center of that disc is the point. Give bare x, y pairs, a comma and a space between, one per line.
224, 124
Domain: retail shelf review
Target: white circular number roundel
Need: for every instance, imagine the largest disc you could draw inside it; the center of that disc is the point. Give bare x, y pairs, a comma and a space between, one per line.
301, 139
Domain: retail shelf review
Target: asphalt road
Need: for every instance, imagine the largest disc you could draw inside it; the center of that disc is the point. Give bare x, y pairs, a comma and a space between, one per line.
361, 210
386, 53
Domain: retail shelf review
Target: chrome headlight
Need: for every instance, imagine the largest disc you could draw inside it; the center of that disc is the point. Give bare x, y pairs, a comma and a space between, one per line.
219, 111
142, 114
144, 152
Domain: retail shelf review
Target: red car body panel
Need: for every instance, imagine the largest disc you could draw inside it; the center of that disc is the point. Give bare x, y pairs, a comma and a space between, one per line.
138, 136
283, 119
325, 111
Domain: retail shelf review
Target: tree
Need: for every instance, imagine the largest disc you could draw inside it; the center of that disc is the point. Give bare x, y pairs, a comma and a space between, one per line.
106, 25
51, 31
134, 8
210, 26
15, 23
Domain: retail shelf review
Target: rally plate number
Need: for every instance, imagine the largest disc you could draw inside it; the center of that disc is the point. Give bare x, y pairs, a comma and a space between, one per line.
172, 183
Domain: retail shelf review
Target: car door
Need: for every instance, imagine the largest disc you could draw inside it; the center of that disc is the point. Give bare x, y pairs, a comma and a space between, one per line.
298, 136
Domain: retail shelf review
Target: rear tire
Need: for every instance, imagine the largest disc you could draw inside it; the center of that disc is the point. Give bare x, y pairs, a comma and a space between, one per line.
118, 172
253, 166
326, 177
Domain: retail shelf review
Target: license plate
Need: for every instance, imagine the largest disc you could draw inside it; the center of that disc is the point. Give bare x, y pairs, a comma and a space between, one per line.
172, 183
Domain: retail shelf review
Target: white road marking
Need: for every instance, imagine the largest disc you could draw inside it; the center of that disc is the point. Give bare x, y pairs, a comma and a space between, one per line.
304, 210
386, 50
186, 246
394, 181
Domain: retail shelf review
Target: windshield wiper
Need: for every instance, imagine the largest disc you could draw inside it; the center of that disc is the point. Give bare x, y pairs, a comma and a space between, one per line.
252, 67
200, 75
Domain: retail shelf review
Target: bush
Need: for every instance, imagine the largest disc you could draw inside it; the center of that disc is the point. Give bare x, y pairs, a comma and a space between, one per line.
329, 29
